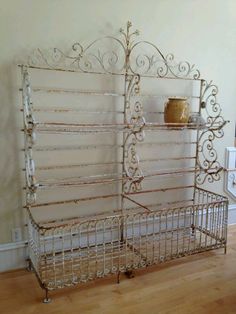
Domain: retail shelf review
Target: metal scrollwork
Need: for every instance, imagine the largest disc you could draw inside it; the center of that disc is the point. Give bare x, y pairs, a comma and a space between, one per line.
209, 168
131, 58
92, 58
159, 66
116, 56
133, 108
135, 121
133, 173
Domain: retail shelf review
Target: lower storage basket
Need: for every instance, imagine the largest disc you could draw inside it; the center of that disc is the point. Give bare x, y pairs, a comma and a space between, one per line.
69, 252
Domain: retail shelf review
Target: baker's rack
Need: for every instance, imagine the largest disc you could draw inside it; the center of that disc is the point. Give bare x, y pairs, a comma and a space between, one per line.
151, 221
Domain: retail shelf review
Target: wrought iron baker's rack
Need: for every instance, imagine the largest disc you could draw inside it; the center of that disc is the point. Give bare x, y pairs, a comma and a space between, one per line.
68, 251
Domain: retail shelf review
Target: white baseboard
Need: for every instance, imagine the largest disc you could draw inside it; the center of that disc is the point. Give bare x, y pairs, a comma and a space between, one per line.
12, 246
14, 255
232, 214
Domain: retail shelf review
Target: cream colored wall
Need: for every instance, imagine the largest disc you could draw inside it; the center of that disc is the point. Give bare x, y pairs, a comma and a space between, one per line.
200, 31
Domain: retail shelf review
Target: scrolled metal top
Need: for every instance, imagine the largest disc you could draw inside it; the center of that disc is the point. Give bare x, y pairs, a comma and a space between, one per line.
114, 55
127, 56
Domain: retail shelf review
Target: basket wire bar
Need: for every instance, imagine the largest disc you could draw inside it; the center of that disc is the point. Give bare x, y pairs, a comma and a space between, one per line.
76, 249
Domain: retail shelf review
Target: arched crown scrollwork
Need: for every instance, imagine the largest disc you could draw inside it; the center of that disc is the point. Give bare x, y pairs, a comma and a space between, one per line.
116, 56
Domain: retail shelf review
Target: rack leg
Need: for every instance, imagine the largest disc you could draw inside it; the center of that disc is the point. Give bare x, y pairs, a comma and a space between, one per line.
46, 300
29, 267
118, 277
225, 249
129, 274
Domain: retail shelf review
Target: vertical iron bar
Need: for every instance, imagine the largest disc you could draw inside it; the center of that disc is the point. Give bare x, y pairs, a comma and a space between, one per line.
119, 250
197, 143
104, 248
124, 135
133, 243
112, 247
160, 234
206, 222
140, 237
217, 223
96, 262
62, 253
54, 257
190, 231
166, 228
153, 238
88, 250
72, 255
172, 233
185, 227
211, 225
178, 231
146, 239
38, 252
126, 225
80, 252
201, 226
226, 223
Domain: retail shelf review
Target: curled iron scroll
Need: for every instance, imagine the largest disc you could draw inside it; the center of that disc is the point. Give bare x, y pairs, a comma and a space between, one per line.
209, 168
114, 55
135, 121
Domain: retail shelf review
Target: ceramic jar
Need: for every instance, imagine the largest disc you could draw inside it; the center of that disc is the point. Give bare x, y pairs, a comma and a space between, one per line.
176, 111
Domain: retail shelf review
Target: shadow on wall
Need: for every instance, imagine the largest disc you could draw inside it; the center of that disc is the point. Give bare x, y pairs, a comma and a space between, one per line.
11, 213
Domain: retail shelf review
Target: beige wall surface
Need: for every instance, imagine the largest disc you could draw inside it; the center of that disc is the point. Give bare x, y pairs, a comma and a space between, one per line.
200, 31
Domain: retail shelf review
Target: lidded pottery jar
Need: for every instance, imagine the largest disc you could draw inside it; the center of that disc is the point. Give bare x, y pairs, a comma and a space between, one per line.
176, 111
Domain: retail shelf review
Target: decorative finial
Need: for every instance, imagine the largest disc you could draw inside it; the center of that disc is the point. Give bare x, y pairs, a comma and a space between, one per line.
129, 24
127, 35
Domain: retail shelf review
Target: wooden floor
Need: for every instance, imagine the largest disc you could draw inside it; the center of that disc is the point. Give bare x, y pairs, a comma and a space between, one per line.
203, 283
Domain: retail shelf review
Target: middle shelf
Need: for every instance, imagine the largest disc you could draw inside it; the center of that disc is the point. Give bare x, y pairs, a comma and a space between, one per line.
52, 127
109, 178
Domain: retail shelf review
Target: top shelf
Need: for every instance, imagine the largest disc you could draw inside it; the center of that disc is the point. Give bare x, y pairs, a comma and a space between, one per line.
111, 93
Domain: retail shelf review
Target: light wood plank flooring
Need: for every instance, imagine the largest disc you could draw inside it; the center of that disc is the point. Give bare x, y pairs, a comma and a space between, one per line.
203, 283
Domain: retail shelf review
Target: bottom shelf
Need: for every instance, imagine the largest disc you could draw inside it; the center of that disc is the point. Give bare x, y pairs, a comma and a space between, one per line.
65, 254
83, 265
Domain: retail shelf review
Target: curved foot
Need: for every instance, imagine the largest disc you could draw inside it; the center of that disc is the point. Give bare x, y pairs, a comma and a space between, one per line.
29, 267
129, 274
47, 300
118, 277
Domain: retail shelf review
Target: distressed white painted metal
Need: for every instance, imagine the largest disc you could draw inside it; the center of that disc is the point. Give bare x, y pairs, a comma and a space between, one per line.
158, 213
